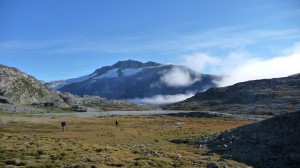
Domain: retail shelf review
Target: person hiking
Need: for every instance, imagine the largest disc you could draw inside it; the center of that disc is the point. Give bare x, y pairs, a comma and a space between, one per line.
63, 125
117, 123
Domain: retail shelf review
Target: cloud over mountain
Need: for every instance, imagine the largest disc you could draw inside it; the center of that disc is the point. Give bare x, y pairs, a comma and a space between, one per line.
150, 82
162, 99
241, 66
178, 77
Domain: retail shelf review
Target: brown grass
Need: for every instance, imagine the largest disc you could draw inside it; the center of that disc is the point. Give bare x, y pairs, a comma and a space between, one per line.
137, 142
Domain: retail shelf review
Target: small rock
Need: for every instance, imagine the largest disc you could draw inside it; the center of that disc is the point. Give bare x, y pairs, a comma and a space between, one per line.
222, 160
15, 162
212, 165
99, 150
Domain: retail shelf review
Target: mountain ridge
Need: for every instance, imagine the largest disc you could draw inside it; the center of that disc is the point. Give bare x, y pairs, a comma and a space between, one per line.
126, 64
126, 80
20, 92
20, 88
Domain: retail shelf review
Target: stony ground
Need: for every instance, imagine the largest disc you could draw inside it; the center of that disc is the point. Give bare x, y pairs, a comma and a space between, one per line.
271, 143
138, 141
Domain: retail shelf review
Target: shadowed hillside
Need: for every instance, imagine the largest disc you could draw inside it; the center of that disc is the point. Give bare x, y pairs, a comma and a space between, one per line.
278, 95
270, 143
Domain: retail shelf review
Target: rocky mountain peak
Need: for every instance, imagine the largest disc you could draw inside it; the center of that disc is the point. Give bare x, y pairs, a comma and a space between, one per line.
6, 71
127, 80
18, 87
128, 64
133, 64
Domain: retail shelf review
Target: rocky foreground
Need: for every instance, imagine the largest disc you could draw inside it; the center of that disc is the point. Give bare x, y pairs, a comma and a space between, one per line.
274, 142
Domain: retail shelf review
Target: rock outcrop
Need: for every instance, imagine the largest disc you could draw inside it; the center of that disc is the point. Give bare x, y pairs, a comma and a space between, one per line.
271, 143
94, 103
16, 87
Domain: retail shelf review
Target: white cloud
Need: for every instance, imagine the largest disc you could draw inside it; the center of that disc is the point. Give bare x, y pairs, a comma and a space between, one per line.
162, 99
199, 61
261, 69
241, 66
178, 77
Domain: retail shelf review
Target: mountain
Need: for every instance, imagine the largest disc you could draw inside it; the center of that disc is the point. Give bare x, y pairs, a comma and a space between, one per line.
270, 143
20, 92
17, 87
132, 79
267, 96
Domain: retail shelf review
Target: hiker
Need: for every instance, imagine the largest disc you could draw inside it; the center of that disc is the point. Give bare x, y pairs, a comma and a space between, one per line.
63, 125
117, 123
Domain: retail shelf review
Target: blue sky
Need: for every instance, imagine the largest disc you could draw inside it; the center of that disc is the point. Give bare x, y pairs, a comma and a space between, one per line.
59, 39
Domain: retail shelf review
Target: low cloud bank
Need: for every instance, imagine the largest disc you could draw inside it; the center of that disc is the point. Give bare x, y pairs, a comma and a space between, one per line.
262, 69
178, 77
241, 66
162, 99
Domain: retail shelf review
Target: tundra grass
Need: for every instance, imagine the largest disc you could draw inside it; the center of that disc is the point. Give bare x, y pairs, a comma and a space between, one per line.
138, 141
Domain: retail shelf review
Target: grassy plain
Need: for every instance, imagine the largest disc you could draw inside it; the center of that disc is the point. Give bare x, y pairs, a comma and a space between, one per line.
138, 141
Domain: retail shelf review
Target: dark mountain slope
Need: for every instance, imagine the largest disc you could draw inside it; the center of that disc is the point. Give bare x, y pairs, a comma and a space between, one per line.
133, 79
257, 97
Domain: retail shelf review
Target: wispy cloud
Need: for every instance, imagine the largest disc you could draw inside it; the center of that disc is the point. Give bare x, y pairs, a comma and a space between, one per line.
163, 43
229, 50
162, 99
20, 45
200, 61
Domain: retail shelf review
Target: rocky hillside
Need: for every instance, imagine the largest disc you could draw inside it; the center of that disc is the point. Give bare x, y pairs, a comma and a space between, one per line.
271, 143
17, 87
20, 92
96, 103
267, 96
132, 79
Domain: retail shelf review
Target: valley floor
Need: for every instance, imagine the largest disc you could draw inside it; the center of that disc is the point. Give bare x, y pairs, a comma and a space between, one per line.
138, 141
179, 113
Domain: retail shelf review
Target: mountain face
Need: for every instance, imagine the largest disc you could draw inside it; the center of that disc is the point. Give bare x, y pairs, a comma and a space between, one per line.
20, 92
278, 95
271, 143
132, 79
17, 87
